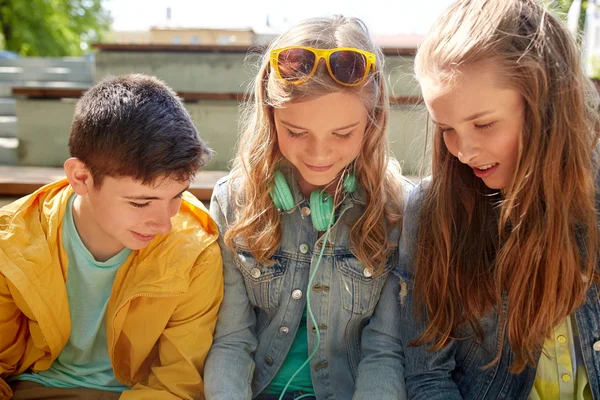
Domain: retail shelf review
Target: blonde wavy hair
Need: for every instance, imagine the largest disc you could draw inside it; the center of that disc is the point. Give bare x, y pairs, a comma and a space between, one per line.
257, 224
535, 245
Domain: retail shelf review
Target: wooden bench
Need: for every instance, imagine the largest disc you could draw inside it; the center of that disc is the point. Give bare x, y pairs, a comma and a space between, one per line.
41, 72
21, 181
52, 93
218, 48
56, 72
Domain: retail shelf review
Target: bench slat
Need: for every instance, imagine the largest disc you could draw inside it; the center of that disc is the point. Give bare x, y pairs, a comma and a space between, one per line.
21, 181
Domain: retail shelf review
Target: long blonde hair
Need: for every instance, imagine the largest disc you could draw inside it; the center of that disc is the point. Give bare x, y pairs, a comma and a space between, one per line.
257, 225
530, 252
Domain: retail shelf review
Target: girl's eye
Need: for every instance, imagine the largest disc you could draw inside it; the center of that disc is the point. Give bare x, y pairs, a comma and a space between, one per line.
138, 205
344, 135
295, 134
485, 126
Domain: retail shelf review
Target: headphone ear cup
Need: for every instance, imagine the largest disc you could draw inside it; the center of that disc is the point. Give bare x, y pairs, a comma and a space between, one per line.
281, 193
321, 210
350, 183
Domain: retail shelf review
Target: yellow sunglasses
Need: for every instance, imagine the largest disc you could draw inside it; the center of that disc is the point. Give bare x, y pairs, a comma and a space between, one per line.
347, 66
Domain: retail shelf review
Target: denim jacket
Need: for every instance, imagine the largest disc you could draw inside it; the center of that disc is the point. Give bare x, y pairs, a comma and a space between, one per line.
457, 370
360, 355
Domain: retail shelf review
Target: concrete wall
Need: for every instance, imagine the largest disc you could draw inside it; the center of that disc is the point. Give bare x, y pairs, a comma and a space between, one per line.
407, 136
399, 76
43, 129
223, 72
43, 126
183, 71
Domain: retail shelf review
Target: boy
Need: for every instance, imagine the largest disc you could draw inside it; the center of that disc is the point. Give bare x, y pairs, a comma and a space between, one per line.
111, 280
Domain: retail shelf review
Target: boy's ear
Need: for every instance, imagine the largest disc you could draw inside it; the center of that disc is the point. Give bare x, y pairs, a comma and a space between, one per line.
78, 175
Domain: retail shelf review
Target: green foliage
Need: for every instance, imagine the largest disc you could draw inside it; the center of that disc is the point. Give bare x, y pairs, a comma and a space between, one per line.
595, 67
562, 9
51, 28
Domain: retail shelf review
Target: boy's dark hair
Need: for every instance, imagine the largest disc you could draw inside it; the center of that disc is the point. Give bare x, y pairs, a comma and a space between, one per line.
134, 125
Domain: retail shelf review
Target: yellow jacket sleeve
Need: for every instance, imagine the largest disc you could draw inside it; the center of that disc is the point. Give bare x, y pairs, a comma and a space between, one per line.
178, 371
13, 330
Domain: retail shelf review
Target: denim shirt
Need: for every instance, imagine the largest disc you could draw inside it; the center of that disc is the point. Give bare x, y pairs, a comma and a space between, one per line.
360, 355
458, 370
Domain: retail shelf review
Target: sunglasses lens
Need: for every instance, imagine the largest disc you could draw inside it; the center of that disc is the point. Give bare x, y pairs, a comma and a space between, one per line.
295, 64
348, 66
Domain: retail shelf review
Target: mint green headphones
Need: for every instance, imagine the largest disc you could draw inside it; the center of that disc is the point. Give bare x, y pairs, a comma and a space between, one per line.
321, 204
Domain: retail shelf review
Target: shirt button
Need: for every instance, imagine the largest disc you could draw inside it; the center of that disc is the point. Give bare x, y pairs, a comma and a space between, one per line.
255, 272
561, 339
596, 346
566, 377
367, 272
305, 211
303, 248
284, 330
268, 360
296, 294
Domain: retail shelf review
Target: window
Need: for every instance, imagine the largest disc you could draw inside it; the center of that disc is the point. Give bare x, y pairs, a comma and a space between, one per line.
227, 39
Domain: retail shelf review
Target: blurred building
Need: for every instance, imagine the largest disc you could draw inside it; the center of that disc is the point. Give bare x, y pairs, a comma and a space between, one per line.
405, 41
128, 37
187, 36
170, 32
238, 37
203, 36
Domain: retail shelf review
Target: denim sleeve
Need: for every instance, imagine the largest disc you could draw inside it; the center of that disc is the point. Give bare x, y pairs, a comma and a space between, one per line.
428, 374
380, 372
230, 364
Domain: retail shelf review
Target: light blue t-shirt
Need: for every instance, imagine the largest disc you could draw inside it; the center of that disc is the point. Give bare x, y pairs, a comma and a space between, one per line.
84, 362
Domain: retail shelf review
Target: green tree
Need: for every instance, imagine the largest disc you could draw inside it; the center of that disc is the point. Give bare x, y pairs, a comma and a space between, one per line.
561, 7
51, 27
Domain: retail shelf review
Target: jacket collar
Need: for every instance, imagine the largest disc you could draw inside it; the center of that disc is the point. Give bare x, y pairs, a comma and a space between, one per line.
289, 172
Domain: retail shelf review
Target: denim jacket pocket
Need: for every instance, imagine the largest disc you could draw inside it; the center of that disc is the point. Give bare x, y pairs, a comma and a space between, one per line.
263, 282
360, 289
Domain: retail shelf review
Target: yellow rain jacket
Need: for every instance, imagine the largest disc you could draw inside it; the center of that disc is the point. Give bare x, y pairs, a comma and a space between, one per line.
161, 313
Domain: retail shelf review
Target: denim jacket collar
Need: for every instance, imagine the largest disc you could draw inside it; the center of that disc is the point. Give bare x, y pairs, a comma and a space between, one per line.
289, 172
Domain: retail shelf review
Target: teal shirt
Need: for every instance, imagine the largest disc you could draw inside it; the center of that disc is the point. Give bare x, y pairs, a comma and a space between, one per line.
295, 358
84, 362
